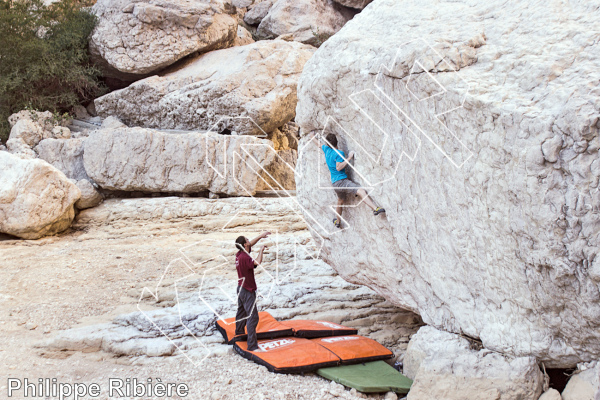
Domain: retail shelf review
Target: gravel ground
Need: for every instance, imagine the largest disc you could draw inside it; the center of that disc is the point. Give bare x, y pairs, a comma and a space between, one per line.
90, 274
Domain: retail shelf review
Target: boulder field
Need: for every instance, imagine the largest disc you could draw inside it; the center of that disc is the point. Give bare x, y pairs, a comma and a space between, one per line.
246, 90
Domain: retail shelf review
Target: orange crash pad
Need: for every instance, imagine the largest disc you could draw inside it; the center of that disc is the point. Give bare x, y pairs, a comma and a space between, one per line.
268, 328
354, 349
289, 355
309, 329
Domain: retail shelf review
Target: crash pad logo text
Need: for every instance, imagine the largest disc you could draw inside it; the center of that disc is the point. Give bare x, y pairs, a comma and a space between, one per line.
274, 344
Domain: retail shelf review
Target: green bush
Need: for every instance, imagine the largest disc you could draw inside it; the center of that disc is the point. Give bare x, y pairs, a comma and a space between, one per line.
44, 63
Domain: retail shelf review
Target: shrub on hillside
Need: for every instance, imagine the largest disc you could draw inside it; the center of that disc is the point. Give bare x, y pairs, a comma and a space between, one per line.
44, 62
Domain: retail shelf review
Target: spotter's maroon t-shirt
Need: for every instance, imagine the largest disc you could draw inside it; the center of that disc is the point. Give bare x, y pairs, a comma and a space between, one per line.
245, 269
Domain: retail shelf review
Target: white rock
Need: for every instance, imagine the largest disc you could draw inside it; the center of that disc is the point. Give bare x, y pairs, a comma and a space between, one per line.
31, 127
137, 37
64, 154
90, 197
61, 132
28, 131
551, 394
391, 396
45, 118
256, 82
36, 199
147, 160
482, 235
583, 385
18, 147
258, 12
111, 122
358, 4
444, 366
243, 37
242, 3
307, 21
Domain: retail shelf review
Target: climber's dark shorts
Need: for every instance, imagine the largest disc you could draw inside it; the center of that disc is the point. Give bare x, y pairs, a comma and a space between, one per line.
344, 187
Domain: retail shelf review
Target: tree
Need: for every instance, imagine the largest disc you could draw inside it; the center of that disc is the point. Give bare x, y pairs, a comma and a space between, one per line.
44, 62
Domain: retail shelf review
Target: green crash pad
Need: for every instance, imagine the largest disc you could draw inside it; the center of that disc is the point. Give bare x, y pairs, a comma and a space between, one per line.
371, 377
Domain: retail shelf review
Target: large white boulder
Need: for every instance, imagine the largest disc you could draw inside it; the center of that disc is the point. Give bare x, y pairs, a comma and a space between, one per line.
64, 154
479, 137
446, 366
257, 82
584, 384
36, 199
140, 159
306, 21
138, 37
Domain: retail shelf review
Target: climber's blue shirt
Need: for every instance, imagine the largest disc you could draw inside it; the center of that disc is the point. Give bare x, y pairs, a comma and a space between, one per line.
332, 157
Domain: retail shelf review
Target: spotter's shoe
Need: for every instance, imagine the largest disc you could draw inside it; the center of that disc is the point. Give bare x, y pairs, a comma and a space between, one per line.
378, 211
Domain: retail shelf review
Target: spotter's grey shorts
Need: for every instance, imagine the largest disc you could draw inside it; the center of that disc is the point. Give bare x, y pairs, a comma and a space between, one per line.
343, 187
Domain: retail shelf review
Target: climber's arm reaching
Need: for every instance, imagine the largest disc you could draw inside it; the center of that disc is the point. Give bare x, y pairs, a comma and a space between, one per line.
341, 165
261, 236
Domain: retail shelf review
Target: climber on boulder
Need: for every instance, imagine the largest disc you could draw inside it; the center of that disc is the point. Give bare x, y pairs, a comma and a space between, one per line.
337, 162
247, 312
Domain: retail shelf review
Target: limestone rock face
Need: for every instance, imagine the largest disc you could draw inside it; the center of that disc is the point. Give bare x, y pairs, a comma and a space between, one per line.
136, 37
215, 89
142, 159
445, 366
64, 154
306, 21
285, 137
36, 199
584, 384
488, 167
280, 174
358, 4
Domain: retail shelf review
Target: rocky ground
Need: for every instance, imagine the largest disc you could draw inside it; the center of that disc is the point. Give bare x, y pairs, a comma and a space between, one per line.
58, 292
